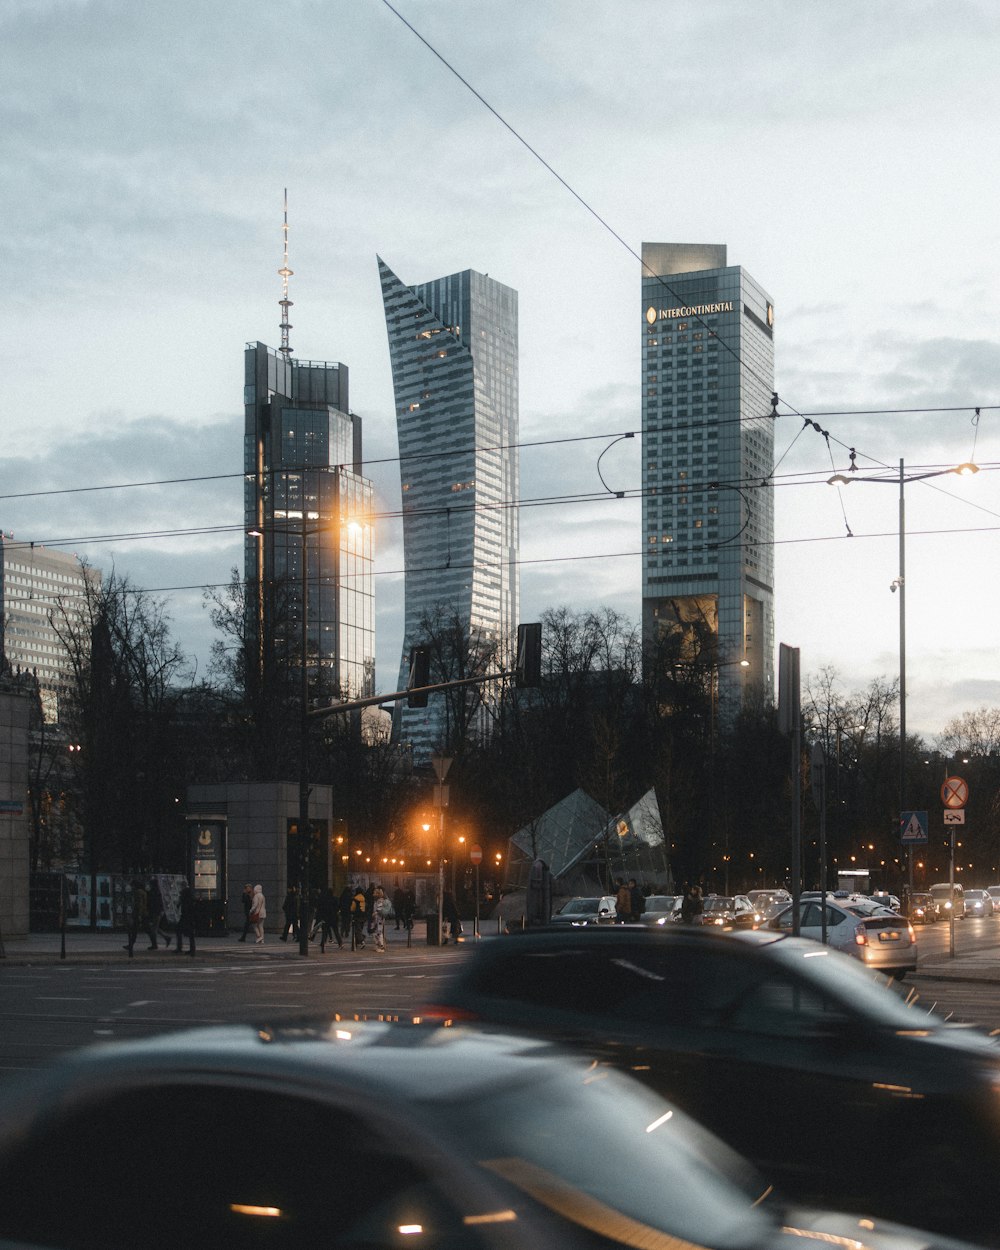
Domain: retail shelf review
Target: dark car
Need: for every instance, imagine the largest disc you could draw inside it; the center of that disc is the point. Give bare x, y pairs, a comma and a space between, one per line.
376, 1136
586, 911
734, 911
755, 1028
920, 908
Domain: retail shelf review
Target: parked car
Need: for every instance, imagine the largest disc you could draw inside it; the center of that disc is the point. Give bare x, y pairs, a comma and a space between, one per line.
586, 911
920, 908
729, 911
757, 1028
662, 909
978, 903
443, 1139
859, 927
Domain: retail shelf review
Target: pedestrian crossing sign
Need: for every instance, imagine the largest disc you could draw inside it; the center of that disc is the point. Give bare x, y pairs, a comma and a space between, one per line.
912, 827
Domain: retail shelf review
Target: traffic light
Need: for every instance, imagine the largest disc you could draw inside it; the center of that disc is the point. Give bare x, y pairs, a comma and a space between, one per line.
528, 665
420, 675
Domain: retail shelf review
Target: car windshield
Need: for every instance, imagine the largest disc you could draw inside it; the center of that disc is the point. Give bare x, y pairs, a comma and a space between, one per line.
976, 895
576, 906
660, 902
718, 904
649, 1165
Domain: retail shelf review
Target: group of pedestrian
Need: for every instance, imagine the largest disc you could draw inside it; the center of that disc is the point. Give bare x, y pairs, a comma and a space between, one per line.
630, 902
147, 914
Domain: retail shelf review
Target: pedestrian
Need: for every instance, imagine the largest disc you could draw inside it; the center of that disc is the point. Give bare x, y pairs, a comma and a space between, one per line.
359, 909
637, 901
449, 912
398, 904
409, 907
290, 907
185, 922
376, 921
346, 899
157, 913
623, 903
258, 913
139, 917
328, 915
247, 904
692, 906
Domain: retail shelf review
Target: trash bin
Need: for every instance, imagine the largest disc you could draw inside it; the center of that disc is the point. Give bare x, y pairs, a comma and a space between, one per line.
433, 930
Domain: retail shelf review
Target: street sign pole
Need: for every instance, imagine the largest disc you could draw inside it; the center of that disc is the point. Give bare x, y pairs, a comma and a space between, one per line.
954, 796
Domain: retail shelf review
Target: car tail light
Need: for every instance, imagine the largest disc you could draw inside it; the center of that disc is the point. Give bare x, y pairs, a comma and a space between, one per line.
437, 1011
860, 935
913, 936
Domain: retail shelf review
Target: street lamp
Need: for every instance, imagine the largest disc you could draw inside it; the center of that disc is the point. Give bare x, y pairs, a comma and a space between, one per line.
899, 583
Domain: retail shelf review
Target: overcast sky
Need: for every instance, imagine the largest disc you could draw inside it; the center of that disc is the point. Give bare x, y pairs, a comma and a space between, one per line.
845, 152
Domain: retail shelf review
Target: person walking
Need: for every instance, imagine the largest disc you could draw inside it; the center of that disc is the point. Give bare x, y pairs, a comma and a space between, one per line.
409, 907
376, 922
328, 915
449, 913
637, 901
346, 899
258, 913
692, 906
247, 904
139, 918
185, 922
290, 907
358, 916
398, 904
623, 903
157, 913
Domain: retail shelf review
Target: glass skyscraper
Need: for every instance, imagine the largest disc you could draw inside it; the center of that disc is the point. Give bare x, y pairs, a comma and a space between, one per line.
708, 454
453, 349
304, 493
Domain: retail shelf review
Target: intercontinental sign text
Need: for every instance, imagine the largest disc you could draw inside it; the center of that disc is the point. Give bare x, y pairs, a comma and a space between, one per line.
693, 310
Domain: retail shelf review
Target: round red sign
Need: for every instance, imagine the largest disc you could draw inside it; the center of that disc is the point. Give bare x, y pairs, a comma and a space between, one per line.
476, 854
955, 792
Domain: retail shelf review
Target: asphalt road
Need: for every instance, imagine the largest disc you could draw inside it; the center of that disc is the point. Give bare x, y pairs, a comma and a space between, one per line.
49, 1008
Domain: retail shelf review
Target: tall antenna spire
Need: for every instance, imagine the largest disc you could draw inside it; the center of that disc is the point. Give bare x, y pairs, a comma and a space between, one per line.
285, 303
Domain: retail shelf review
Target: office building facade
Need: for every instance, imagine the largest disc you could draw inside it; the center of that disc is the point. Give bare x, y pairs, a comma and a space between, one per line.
305, 496
454, 354
708, 453
43, 595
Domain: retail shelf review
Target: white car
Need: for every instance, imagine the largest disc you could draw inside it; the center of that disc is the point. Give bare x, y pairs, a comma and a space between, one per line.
978, 903
862, 928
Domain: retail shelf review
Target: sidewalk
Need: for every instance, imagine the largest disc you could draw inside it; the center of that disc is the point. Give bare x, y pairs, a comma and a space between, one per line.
106, 946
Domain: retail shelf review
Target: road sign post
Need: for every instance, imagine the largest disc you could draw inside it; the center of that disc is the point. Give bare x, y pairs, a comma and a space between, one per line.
476, 857
954, 796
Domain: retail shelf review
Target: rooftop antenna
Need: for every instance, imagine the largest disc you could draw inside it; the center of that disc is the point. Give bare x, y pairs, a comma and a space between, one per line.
285, 303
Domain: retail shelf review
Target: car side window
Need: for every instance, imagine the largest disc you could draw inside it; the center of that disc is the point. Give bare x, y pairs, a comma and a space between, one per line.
782, 1008
205, 1164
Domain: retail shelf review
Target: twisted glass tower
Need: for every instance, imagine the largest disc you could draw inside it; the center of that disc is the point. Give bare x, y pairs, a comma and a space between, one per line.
453, 350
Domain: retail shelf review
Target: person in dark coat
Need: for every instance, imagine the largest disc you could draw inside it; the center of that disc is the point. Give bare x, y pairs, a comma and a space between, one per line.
185, 922
398, 904
692, 906
328, 915
139, 917
291, 909
346, 899
247, 904
449, 913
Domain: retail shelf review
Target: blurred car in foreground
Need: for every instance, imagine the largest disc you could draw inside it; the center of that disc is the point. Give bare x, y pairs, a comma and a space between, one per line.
586, 911
752, 1029
662, 909
860, 927
978, 903
434, 1138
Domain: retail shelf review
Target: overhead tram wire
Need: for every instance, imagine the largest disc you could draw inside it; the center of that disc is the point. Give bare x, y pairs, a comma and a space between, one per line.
607, 226
692, 424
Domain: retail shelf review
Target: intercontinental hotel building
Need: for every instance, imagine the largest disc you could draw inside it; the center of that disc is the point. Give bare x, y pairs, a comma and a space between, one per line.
708, 453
